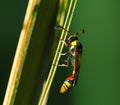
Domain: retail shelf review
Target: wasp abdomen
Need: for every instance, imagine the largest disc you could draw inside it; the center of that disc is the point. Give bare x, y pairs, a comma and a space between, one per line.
68, 83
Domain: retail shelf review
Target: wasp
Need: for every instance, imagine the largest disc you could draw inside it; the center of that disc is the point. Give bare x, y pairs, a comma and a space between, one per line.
74, 55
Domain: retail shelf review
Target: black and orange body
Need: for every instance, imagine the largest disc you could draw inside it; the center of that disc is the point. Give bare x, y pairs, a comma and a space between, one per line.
74, 55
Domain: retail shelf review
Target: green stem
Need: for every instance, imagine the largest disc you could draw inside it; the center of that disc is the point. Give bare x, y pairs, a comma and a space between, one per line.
21, 51
46, 89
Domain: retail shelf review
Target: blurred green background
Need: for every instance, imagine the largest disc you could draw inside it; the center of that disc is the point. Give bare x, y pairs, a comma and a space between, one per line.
98, 82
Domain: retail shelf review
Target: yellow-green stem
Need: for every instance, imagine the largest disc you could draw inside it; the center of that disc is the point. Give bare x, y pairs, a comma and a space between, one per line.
23, 43
46, 89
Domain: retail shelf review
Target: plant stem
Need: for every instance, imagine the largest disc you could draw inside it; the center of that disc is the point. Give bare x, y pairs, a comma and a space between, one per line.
21, 51
46, 89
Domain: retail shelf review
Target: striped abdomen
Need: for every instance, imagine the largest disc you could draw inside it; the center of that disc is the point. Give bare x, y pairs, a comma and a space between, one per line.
68, 83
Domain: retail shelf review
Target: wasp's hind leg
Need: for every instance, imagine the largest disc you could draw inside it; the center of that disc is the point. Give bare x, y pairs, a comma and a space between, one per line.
66, 64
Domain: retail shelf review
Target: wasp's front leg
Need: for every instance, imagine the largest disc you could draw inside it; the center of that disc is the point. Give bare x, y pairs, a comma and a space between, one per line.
65, 42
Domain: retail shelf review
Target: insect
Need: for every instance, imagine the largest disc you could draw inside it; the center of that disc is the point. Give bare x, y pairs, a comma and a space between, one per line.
74, 55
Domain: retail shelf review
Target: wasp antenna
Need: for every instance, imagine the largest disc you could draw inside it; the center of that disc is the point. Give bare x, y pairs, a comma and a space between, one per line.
81, 31
57, 27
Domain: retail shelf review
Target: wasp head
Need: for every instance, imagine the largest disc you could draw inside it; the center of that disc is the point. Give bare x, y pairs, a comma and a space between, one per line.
72, 38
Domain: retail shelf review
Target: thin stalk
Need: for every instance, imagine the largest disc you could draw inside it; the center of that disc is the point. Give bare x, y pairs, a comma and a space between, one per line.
46, 89
21, 51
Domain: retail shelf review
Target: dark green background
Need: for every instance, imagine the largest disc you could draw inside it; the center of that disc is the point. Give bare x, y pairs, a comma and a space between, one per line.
98, 83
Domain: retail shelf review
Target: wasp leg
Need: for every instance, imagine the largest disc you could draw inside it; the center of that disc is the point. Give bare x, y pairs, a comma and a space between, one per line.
67, 61
66, 43
61, 65
65, 53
